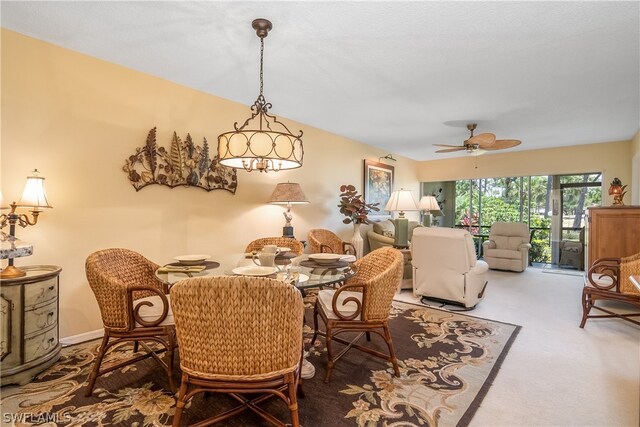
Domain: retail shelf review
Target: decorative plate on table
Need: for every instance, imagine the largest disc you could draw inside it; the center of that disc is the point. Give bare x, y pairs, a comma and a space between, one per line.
312, 264
192, 259
254, 270
325, 258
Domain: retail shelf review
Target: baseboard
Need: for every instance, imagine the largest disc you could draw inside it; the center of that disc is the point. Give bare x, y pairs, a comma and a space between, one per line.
80, 338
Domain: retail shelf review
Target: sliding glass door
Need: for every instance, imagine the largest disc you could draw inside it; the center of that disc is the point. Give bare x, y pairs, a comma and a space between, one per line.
478, 203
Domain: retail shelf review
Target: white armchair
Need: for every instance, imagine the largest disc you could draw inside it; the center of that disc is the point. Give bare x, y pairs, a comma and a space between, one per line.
445, 267
508, 246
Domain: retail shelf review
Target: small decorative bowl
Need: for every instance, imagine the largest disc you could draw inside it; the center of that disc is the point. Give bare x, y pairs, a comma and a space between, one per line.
192, 259
325, 258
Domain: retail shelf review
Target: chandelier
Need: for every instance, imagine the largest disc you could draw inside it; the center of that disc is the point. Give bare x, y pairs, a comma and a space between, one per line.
257, 145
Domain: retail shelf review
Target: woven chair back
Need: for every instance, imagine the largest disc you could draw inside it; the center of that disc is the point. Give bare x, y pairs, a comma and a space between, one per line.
110, 273
320, 236
283, 242
236, 326
629, 266
381, 271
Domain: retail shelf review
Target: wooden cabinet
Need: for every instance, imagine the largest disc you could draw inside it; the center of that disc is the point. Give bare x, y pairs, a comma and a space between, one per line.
29, 324
613, 232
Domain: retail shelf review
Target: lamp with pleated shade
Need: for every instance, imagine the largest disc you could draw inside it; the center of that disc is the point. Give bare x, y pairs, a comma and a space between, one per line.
430, 206
401, 201
288, 193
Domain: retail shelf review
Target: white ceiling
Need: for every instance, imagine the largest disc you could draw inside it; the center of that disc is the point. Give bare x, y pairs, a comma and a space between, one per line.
398, 75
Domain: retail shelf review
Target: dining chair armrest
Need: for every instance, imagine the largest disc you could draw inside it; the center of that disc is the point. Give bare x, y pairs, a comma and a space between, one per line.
135, 310
348, 248
602, 269
334, 301
327, 247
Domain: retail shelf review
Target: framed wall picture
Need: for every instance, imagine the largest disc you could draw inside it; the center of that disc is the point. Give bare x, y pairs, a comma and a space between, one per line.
378, 185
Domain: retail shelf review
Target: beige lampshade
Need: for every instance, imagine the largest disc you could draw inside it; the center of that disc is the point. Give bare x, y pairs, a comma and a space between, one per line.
429, 203
401, 200
34, 195
288, 193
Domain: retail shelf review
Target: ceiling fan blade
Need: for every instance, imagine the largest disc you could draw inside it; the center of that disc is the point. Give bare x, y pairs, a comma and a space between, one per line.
482, 140
450, 150
448, 145
501, 144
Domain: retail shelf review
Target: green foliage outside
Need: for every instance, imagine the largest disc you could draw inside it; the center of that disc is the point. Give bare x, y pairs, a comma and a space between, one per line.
540, 250
481, 202
506, 199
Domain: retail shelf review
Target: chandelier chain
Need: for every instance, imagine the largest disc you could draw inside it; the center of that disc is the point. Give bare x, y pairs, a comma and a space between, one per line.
261, 59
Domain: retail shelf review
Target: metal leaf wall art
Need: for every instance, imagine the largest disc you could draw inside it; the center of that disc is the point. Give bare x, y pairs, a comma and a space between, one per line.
185, 164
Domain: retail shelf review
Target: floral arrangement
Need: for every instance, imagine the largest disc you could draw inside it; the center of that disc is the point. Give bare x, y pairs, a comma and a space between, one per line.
352, 206
470, 222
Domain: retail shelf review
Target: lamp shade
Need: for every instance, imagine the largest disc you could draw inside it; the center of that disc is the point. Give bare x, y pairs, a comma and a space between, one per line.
244, 148
401, 200
34, 195
429, 203
287, 193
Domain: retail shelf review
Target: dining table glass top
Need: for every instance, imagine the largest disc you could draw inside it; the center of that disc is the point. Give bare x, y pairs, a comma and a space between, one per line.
302, 271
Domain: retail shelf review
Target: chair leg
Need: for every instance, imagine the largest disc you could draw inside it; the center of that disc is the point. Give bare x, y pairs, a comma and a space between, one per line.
329, 340
293, 402
96, 365
315, 323
392, 354
587, 303
135, 346
177, 417
368, 334
170, 352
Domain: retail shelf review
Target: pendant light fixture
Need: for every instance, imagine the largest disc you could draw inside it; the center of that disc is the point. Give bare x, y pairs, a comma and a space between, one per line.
257, 144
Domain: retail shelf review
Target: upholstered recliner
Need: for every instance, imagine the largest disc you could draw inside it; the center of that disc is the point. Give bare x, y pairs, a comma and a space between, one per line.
445, 267
508, 246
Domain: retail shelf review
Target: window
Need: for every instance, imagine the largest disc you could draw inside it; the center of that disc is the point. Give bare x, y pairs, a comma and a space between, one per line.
478, 203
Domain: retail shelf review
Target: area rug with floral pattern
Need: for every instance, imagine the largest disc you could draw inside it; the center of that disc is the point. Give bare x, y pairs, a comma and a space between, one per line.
447, 363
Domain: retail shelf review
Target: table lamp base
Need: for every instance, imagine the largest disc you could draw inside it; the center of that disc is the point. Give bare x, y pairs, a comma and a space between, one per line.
11, 272
287, 232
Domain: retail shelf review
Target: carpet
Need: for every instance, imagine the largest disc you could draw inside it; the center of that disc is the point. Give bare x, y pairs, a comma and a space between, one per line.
447, 363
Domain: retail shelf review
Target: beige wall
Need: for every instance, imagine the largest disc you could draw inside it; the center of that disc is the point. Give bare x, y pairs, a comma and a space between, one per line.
77, 119
635, 169
612, 159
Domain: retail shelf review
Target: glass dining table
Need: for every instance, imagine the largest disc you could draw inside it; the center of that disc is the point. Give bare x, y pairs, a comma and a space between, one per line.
299, 270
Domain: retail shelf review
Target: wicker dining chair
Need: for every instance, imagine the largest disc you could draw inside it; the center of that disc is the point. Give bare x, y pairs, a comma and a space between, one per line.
321, 240
362, 305
238, 335
608, 279
134, 308
283, 242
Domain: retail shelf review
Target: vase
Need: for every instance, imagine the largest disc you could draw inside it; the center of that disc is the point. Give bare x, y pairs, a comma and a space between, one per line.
357, 241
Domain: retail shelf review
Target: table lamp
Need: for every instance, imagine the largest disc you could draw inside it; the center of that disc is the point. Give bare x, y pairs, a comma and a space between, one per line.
400, 201
35, 198
429, 204
288, 193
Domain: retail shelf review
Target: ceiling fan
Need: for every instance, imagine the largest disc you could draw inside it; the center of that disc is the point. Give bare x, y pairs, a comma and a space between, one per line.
484, 141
